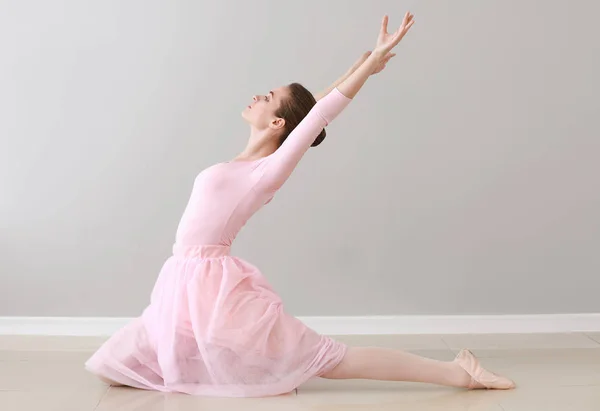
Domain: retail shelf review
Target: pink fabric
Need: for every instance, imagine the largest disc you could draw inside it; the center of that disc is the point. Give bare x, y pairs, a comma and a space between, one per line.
214, 325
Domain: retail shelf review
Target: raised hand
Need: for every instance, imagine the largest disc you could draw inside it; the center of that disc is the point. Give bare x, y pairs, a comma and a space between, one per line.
375, 62
387, 41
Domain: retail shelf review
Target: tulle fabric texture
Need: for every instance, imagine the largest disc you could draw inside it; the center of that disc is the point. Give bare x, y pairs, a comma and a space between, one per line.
215, 327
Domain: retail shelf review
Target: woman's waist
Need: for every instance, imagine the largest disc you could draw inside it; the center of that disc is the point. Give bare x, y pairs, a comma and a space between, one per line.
201, 250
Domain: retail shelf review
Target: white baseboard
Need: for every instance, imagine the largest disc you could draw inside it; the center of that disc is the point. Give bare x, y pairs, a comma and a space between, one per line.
417, 324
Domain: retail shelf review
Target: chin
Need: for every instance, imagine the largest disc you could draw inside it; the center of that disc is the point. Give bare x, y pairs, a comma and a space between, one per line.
247, 116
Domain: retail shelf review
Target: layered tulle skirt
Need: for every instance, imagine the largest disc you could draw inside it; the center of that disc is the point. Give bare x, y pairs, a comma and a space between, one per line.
215, 327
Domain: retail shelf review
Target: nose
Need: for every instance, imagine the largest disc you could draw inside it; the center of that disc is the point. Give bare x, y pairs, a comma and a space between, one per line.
255, 98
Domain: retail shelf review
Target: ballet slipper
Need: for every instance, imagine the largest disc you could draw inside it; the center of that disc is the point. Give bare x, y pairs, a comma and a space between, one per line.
480, 377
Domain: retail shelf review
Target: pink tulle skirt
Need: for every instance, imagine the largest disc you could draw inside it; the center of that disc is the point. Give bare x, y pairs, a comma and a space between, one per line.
215, 327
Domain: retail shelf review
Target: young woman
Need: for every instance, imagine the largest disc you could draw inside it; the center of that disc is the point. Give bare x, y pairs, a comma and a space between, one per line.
214, 325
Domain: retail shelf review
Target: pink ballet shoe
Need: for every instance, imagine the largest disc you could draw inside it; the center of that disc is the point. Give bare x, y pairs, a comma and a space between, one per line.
480, 377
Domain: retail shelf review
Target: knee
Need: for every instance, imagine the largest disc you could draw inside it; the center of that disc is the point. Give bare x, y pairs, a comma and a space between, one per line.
334, 373
344, 370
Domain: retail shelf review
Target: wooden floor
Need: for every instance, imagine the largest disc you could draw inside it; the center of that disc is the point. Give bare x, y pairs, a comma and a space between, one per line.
552, 371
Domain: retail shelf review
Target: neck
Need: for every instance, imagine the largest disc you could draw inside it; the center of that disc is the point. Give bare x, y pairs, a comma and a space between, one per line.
262, 143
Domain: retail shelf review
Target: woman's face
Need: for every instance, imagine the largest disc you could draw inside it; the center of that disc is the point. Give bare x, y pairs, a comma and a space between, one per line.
261, 112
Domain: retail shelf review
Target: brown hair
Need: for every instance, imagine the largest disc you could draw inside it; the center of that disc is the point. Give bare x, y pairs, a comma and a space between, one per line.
294, 108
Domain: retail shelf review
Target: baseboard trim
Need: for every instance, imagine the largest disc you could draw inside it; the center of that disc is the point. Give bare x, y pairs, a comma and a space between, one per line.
366, 325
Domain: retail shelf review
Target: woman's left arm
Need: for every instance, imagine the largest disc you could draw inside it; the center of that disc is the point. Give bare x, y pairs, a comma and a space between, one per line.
351, 70
279, 165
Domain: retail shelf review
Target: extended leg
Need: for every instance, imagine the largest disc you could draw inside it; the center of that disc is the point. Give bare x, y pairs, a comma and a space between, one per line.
396, 365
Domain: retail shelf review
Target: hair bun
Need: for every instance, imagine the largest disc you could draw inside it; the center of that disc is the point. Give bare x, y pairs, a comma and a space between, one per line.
319, 139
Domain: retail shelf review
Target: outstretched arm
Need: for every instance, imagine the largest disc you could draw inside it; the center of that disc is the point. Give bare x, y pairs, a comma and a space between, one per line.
351, 70
280, 164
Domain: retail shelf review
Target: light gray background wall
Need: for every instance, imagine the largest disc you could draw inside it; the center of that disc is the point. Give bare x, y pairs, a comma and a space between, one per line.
464, 179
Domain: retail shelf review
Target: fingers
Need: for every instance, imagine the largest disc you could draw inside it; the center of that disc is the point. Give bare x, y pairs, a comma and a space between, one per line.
384, 24
394, 38
406, 24
383, 64
406, 17
399, 34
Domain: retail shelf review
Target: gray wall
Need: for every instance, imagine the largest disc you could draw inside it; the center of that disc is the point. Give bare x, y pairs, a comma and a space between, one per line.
463, 179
